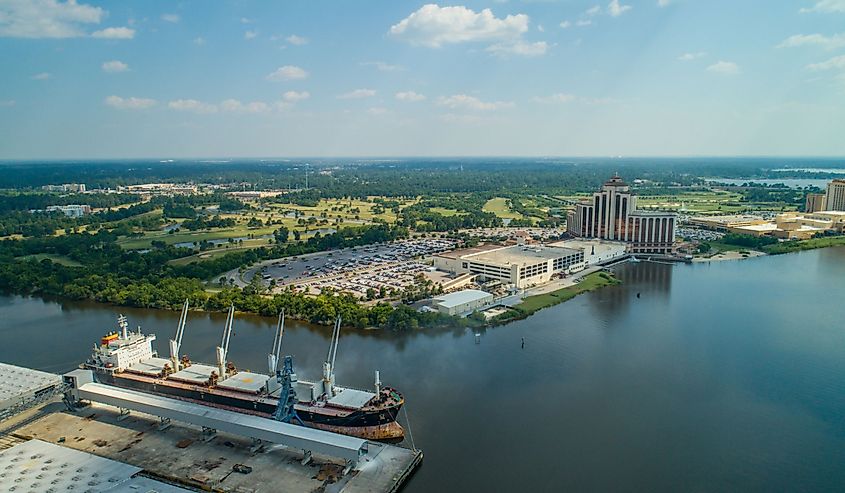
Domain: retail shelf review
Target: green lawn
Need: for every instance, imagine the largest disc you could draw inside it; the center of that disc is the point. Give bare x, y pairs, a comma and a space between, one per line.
146, 240
589, 283
499, 207
446, 212
59, 259
797, 246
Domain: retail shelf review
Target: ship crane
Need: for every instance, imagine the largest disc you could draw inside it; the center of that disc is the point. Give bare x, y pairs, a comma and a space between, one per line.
328, 366
273, 357
223, 348
176, 342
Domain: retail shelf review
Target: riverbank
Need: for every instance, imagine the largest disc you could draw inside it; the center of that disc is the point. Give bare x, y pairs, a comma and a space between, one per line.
801, 245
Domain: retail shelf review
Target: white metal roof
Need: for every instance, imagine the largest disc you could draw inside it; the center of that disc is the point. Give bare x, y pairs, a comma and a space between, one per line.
151, 367
244, 381
246, 425
458, 298
41, 466
195, 373
17, 383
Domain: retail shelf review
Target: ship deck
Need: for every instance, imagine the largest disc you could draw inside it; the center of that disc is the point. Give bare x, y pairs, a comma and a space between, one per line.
244, 381
152, 367
196, 374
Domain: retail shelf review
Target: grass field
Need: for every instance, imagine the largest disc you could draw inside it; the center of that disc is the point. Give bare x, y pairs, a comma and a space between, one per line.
499, 207
219, 252
59, 259
797, 246
589, 283
146, 240
446, 212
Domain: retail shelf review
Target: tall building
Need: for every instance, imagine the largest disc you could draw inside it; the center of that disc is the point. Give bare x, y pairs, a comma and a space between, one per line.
815, 202
835, 197
612, 215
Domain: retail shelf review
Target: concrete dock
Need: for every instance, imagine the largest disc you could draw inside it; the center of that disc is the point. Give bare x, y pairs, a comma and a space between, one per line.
178, 454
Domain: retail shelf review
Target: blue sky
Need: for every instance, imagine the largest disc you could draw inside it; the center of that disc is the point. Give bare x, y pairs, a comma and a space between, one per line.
98, 79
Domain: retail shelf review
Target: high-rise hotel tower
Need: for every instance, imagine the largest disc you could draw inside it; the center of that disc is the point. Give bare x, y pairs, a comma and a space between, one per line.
612, 215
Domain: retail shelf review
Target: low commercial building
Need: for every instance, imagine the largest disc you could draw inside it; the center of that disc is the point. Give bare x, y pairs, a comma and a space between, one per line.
518, 265
726, 223
462, 302
70, 210
786, 226
168, 189
65, 187
596, 252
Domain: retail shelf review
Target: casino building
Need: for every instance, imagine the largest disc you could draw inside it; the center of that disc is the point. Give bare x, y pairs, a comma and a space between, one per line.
612, 215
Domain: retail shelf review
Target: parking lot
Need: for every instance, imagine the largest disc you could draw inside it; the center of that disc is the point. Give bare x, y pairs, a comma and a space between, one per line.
355, 270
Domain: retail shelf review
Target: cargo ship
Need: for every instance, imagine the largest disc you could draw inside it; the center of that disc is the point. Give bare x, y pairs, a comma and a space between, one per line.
124, 358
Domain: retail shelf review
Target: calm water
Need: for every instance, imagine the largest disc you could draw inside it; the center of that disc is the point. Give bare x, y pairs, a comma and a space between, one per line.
722, 377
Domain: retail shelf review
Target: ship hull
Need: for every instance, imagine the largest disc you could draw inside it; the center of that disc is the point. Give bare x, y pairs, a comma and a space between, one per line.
377, 424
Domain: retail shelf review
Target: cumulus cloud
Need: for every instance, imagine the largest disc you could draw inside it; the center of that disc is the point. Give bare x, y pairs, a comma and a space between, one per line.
409, 96
294, 96
130, 103
433, 26
826, 7
383, 66
288, 72
251, 34
565, 25
583, 22
46, 18
594, 10
235, 106
615, 9
686, 57
296, 40
193, 106
557, 98
114, 33
463, 101
114, 66
724, 68
522, 48
42, 76
174, 18
820, 40
837, 62
358, 94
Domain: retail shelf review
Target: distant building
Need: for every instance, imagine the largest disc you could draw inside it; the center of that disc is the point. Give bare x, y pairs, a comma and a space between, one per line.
67, 187
254, 195
518, 265
70, 210
612, 215
835, 197
462, 302
815, 202
726, 223
159, 189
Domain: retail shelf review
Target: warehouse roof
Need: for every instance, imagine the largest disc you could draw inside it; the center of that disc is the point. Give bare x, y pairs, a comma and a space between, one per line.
458, 298
522, 255
17, 383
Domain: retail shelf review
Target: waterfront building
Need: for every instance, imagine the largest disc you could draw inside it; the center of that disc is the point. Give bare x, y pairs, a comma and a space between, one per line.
461, 302
835, 197
815, 202
518, 265
73, 210
612, 214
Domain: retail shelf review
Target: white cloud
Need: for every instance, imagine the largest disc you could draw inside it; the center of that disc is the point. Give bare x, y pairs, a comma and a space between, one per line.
251, 34
409, 96
115, 66
615, 9
294, 96
130, 103
174, 18
434, 26
686, 57
594, 10
383, 66
46, 18
235, 106
358, 94
114, 33
583, 22
296, 40
245, 20
463, 101
555, 98
565, 25
288, 72
663, 3
837, 62
522, 48
826, 7
826, 42
7, 103
199, 41
376, 111
193, 106
42, 76
724, 68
